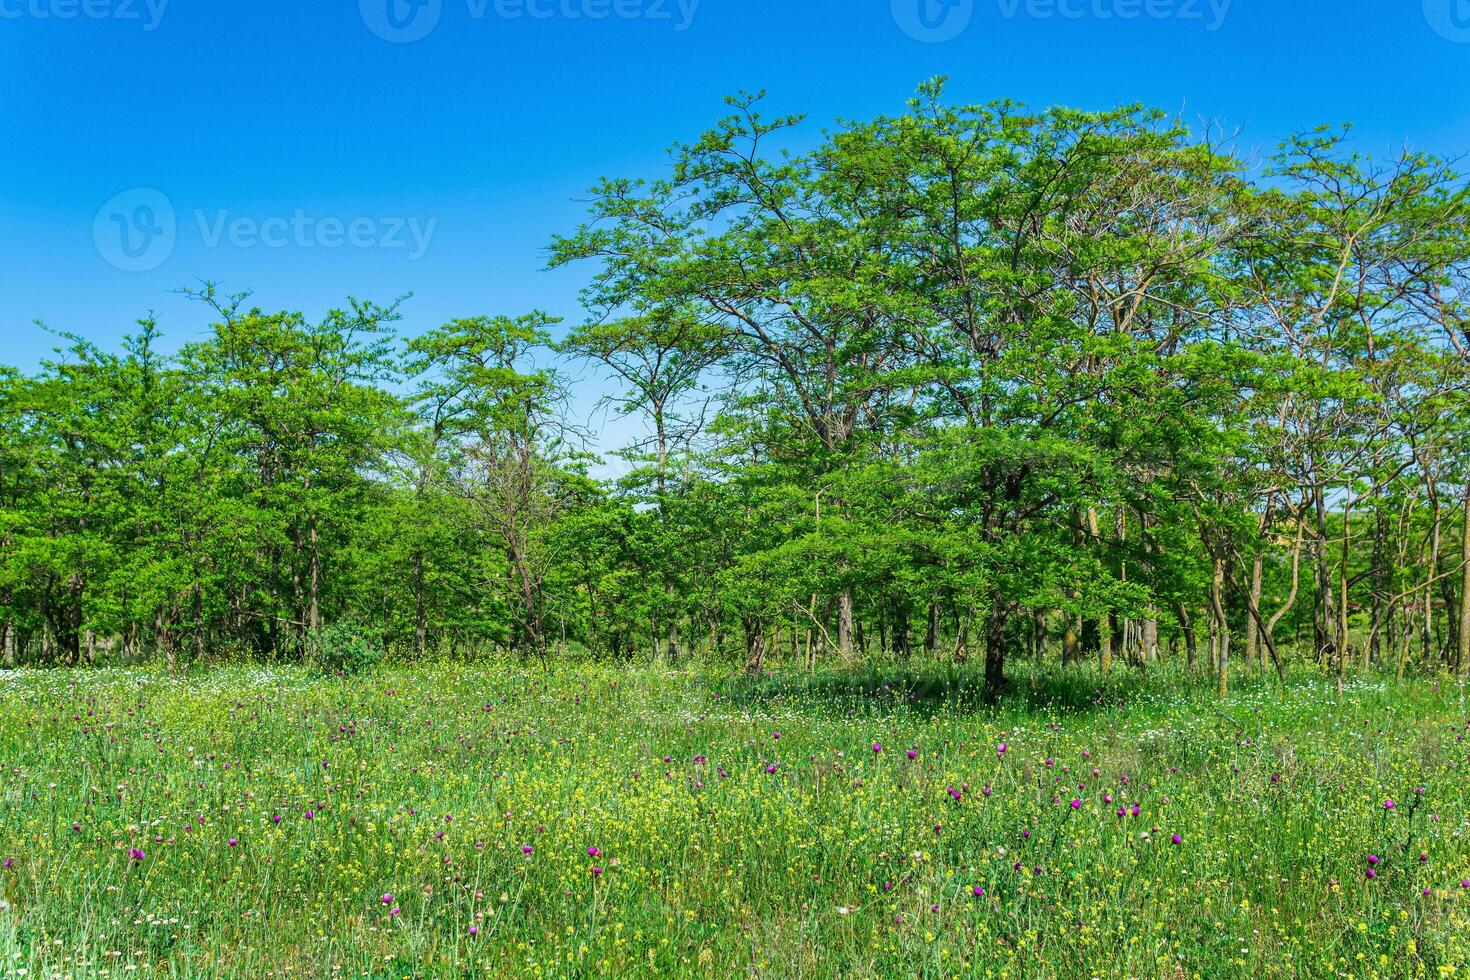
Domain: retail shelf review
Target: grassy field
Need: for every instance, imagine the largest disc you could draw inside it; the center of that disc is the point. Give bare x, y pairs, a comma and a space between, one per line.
494, 821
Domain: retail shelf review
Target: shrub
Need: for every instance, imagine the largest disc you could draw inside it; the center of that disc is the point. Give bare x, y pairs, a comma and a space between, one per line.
344, 647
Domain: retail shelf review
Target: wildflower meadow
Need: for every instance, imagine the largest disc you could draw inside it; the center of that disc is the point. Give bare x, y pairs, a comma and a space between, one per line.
500, 820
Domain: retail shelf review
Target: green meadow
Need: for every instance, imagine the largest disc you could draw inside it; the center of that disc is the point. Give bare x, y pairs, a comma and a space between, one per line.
493, 820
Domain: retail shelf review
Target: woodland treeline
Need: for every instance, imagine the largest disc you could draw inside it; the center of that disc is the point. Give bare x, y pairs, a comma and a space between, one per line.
963, 382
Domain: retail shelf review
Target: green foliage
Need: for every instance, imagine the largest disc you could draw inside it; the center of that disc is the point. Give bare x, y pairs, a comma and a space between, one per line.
343, 648
966, 380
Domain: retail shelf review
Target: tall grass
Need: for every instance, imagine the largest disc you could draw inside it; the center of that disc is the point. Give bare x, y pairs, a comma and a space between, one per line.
775, 825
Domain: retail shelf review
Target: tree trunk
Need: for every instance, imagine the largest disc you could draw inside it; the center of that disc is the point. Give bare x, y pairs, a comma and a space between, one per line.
314, 618
755, 645
1252, 631
1222, 627
1324, 624
1296, 580
995, 649
1462, 653
1342, 608
1149, 638
1071, 641
844, 625
1104, 628
1428, 631
671, 639
1372, 650
1191, 643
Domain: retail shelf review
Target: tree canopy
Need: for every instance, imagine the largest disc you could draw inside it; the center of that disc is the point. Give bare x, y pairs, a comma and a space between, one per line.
965, 381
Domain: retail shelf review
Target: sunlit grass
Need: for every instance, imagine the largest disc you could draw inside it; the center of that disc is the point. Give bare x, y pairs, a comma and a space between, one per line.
252, 822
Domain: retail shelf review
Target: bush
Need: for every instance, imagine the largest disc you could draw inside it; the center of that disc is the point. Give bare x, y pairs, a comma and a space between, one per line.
343, 648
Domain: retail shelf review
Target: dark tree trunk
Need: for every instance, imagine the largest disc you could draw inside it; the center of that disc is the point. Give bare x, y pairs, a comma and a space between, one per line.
755, 645
995, 649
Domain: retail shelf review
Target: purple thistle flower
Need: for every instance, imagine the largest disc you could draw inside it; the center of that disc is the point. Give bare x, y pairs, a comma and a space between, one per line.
136, 854
1177, 839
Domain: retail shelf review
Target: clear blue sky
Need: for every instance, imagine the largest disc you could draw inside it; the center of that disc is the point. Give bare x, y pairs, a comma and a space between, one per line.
492, 124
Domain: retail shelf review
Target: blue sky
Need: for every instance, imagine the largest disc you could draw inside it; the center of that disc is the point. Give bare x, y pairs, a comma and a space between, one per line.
312, 150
